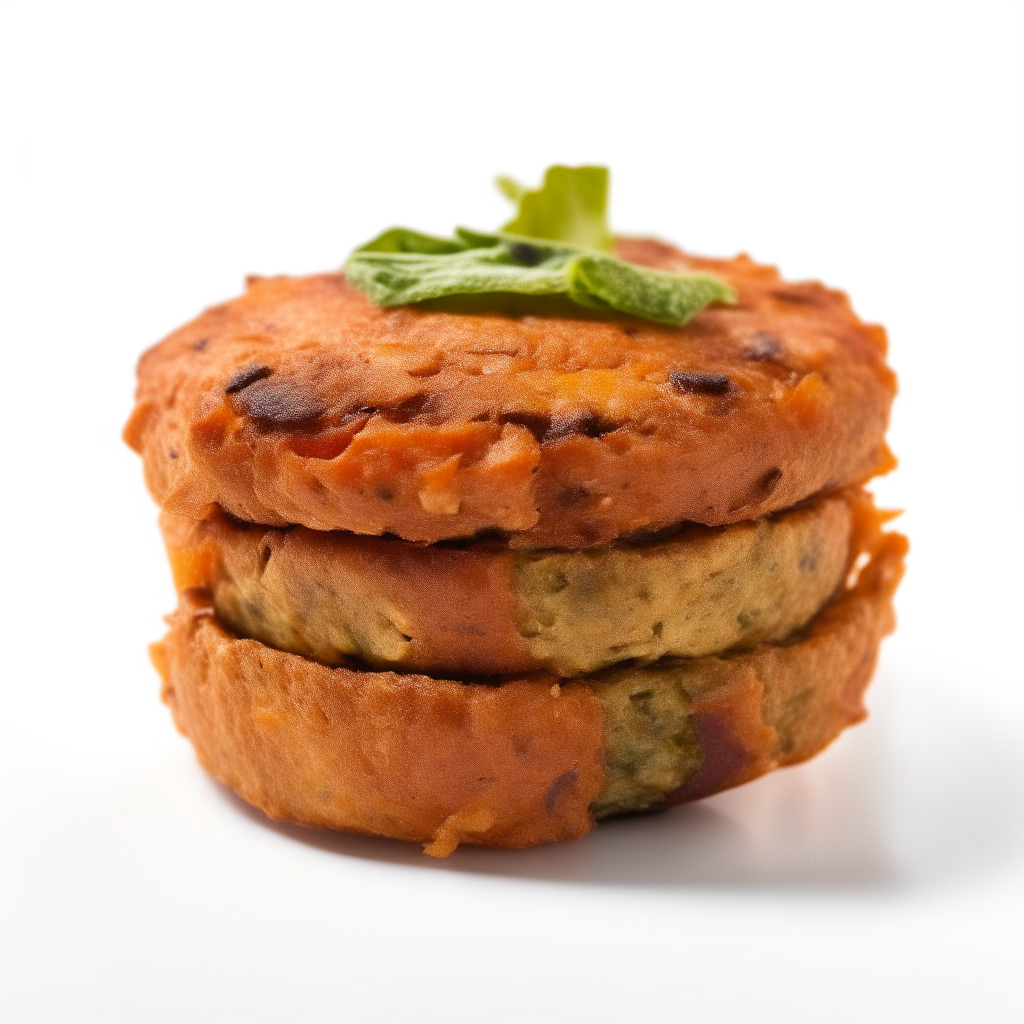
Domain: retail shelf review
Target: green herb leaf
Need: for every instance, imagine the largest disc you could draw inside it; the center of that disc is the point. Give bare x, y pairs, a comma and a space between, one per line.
600, 280
404, 240
571, 206
401, 267
510, 188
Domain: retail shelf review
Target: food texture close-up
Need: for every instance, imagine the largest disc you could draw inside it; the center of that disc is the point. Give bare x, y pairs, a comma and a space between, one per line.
483, 538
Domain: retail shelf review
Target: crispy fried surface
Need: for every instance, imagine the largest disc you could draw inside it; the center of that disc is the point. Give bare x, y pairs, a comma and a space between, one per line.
486, 610
405, 756
525, 762
299, 402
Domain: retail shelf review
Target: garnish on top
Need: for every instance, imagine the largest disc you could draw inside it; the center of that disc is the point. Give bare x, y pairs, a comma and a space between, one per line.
556, 245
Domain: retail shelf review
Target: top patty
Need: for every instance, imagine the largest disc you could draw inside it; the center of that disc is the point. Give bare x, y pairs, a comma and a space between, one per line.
301, 403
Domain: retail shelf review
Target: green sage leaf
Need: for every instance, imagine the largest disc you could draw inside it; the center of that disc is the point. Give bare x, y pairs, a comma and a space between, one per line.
643, 291
401, 267
571, 206
405, 240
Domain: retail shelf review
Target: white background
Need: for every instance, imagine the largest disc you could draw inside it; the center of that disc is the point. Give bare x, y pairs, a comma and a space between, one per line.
152, 155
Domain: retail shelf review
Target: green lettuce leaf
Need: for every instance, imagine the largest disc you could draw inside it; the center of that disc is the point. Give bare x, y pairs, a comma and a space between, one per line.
571, 206
401, 266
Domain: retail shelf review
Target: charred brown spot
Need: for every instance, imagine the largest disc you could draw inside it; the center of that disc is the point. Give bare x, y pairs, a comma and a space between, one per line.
569, 496
547, 431
172, 454
759, 490
245, 376
536, 423
264, 558
560, 788
525, 254
691, 382
770, 481
364, 412
560, 429
587, 424
763, 347
198, 346
408, 408
279, 403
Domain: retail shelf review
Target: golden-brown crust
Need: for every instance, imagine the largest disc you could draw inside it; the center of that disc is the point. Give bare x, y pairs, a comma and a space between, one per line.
486, 610
396, 605
300, 402
406, 756
444, 762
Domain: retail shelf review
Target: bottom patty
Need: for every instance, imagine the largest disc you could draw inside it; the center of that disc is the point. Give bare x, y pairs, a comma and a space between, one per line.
525, 760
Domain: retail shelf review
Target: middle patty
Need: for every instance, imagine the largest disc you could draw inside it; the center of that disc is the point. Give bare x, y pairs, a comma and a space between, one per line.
483, 609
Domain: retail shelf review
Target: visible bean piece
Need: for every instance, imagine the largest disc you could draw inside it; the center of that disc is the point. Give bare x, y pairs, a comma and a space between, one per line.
691, 382
763, 347
587, 424
245, 376
537, 424
279, 404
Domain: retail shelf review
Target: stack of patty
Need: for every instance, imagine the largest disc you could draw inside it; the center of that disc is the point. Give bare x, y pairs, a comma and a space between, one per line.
484, 572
